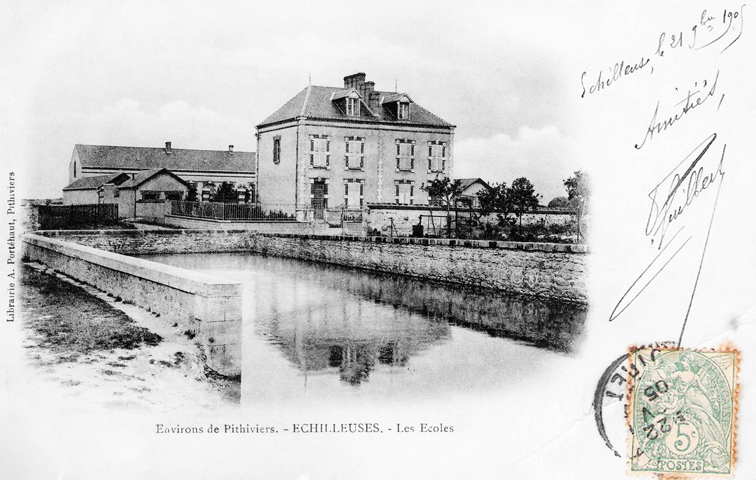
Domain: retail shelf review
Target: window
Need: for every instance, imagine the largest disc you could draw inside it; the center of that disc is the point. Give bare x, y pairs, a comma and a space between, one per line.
436, 156
277, 149
354, 191
353, 107
320, 148
405, 155
402, 112
355, 153
150, 195
173, 195
405, 192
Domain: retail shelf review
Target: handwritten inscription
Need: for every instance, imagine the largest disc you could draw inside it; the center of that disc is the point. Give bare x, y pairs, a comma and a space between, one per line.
722, 28
692, 100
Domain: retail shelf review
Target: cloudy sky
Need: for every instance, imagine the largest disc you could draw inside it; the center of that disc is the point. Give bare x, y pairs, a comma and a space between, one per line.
202, 75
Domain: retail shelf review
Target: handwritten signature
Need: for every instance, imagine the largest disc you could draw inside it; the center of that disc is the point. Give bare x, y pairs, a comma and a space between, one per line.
660, 217
669, 201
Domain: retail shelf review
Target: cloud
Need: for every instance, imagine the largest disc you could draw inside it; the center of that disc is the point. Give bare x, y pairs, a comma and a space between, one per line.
545, 156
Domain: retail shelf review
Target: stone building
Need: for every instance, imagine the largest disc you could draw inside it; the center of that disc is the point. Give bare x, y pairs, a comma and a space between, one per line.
204, 170
345, 147
468, 191
94, 190
147, 191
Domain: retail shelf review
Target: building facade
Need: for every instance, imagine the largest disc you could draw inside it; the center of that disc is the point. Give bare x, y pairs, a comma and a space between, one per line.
468, 191
148, 187
204, 170
94, 190
345, 147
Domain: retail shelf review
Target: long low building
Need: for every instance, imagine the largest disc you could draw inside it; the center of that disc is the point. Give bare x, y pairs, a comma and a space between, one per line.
204, 170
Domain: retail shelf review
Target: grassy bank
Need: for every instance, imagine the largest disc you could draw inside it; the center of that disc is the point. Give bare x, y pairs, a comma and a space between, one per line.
66, 318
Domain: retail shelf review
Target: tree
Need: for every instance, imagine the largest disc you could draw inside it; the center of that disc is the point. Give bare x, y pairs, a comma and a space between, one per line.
578, 194
444, 191
495, 200
226, 194
191, 195
523, 198
559, 203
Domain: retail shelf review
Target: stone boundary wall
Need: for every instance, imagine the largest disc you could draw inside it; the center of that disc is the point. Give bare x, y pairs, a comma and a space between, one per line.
209, 307
540, 269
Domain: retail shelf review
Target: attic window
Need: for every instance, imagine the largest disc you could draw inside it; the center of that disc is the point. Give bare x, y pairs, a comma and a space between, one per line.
403, 111
353, 107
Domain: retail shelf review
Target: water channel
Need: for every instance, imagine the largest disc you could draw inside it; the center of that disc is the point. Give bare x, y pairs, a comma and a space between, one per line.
319, 331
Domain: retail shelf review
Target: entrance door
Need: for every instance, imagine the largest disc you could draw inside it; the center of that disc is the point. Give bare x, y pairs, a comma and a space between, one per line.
319, 200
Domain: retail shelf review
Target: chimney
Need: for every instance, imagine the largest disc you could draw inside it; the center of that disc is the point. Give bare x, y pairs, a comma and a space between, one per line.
366, 88
230, 149
374, 101
168, 148
354, 81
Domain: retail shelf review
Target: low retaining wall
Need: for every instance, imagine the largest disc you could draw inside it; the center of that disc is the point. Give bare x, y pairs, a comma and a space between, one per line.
253, 226
540, 269
211, 308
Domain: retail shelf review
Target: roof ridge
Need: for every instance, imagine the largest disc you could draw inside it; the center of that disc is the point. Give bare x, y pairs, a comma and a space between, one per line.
158, 148
304, 104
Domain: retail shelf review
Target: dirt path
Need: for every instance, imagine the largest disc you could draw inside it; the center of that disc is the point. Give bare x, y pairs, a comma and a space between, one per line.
94, 350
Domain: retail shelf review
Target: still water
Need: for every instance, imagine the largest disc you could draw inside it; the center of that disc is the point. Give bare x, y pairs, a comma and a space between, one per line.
318, 331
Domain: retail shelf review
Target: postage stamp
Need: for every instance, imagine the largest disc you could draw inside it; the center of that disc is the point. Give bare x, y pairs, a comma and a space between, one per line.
682, 407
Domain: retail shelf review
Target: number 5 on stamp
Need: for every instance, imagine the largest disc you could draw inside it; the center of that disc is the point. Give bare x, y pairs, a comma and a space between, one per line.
682, 411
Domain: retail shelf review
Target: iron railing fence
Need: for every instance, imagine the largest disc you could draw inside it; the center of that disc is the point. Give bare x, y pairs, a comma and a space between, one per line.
233, 211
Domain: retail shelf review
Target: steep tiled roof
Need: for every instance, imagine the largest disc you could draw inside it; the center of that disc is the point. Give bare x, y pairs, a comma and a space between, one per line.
147, 158
141, 177
92, 183
316, 102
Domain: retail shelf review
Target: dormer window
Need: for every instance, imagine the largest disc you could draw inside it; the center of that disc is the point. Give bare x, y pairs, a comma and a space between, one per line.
353, 107
398, 105
403, 111
348, 102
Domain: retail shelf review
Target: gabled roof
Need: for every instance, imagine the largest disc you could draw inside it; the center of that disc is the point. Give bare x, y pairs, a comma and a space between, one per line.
396, 97
318, 103
464, 183
144, 175
93, 183
352, 93
146, 158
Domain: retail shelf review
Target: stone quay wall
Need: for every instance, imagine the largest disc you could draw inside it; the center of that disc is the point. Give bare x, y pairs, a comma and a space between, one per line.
209, 307
547, 270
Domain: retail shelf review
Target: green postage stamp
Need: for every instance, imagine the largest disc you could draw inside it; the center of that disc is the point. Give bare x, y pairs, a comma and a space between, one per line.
682, 411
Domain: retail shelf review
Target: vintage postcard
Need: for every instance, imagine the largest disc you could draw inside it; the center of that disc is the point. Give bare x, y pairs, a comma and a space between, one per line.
325, 240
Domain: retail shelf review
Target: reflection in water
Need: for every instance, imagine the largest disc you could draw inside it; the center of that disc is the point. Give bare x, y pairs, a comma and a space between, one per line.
328, 320
318, 322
